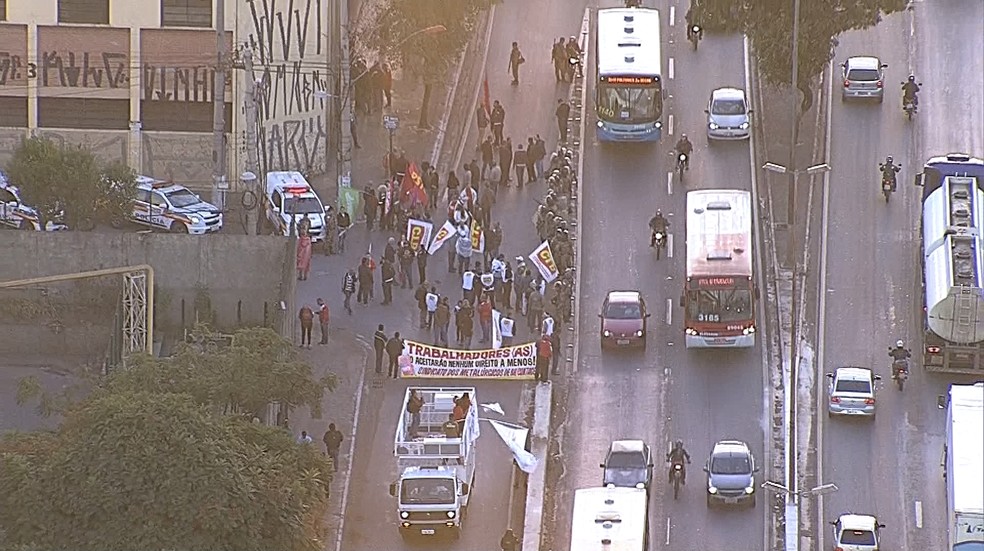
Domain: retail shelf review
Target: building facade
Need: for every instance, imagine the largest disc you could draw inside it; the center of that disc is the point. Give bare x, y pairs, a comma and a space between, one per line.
132, 80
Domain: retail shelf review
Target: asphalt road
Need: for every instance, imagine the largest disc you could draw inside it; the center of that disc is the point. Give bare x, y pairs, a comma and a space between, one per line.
667, 392
889, 467
370, 512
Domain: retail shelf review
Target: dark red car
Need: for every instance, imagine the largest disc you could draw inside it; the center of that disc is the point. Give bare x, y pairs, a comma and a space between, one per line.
623, 320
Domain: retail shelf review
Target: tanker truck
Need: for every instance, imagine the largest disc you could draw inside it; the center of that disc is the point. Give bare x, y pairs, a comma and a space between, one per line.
953, 263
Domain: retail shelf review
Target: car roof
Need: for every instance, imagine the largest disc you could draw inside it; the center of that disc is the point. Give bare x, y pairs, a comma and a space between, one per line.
852, 373
162, 186
728, 93
624, 296
863, 62
857, 522
731, 447
628, 446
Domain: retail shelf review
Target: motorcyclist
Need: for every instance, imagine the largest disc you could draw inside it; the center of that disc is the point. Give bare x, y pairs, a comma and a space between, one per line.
889, 169
910, 90
677, 456
658, 224
693, 18
900, 355
633, 3
684, 146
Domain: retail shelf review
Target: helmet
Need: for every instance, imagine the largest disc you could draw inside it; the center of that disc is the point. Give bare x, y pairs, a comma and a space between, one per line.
912, 78
659, 212
889, 159
683, 136
899, 344
678, 445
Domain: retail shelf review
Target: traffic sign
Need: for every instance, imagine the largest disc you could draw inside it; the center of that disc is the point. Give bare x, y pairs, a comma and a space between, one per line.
391, 122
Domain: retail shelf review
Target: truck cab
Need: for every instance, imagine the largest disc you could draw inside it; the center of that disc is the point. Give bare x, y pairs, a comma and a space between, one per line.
290, 200
436, 466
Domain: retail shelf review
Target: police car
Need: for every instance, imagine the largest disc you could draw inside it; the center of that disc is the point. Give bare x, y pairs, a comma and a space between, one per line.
15, 214
288, 193
168, 206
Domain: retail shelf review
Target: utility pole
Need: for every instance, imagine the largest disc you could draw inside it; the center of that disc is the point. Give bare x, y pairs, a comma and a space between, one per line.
344, 70
252, 145
219, 181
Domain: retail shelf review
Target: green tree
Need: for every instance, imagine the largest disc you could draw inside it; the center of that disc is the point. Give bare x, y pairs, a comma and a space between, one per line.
68, 183
425, 38
117, 187
142, 470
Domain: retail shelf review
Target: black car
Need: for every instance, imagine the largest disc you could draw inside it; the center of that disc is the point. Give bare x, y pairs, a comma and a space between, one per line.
629, 465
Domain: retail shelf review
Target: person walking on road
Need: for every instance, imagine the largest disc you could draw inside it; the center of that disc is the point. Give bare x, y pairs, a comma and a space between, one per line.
442, 319
515, 60
544, 351
387, 82
509, 541
531, 173
485, 317
369, 206
498, 120
420, 295
483, 122
488, 156
306, 315
506, 159
563, 114
421, 255
394, 347
388, 274
555, 357
559, 58
519, 163
431, 299
539, 153
323, 319
365, 281
379, 340
348, 289
534, 310
333, 442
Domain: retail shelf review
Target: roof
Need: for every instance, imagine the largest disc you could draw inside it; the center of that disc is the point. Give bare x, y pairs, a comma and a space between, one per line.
609, 513
628, 42
731, 446
719, 232
728, 93
628, 446
851, 521
854, 373
624, 296
863, 62
278, 179
967, 440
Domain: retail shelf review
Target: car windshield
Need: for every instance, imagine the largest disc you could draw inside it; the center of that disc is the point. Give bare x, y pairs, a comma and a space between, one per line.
303, 205
730, 465
850, 385
857, 537
628, 104
183, 198
427, 491
626, 460
720, 305
863, 74
728, 107
623, 311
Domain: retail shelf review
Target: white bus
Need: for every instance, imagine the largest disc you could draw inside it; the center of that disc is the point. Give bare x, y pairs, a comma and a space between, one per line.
612, 519
629, 89
963, 462
719, 292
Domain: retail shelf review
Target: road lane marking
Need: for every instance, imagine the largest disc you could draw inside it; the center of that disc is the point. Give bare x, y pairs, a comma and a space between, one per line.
669, 245
670, 68
667, 530
672, 15
918, 514
669, 311
669, 183
669, 126
351, 447
478, 89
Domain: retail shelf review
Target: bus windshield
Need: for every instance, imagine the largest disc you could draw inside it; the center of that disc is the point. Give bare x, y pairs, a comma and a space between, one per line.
719, 305
629, 104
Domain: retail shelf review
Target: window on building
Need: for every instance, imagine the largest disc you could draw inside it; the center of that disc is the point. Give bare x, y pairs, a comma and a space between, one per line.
180, 116
186, 13
89, 12
13, 111
3, 10
87, 113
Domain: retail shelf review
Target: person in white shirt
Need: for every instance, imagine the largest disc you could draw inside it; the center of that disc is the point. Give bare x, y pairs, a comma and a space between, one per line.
467, 284
304, 438
431, 299
488, 286
547, 324
506, 328
499, 267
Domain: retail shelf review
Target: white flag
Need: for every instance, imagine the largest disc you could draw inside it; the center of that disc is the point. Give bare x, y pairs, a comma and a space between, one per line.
494, 406
496, 329
446, 232
515, 439
542, 257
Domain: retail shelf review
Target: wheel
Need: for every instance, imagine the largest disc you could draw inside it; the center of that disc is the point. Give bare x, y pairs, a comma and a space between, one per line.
26, 225
178, 228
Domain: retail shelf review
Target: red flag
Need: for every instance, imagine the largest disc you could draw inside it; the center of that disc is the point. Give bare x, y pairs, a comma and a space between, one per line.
413, 186
486, 99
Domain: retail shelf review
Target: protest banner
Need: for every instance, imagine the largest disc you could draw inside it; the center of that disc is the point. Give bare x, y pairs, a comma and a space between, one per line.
444, 233
420, 360
477, 237
418, 233
543, 258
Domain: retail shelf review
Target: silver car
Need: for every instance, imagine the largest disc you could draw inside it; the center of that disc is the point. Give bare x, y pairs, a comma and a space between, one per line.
851, 391
728, 115
864, 77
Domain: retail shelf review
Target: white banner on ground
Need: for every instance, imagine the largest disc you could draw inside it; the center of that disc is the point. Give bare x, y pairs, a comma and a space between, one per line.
543, 258
445, 232
515, 438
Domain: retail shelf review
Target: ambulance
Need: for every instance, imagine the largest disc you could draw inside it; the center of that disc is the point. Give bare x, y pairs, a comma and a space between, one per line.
289, 196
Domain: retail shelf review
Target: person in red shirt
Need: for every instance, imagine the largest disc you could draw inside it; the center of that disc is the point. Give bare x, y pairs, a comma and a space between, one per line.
306, 315
485, 317
544, 351
323, 317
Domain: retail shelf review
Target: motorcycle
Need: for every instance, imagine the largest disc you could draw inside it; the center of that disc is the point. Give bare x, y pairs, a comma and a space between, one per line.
681, 164
909, 106
633, 3
887, 186
900, 372
659, 241
676, 475
695, 34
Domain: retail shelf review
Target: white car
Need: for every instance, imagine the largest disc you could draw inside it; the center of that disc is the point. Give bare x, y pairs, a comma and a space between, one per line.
15, 214
856, 533
851, 391
728, 115
290, 200
173, 208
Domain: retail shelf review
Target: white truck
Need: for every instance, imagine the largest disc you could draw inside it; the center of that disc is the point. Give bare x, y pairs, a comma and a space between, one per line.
953, 264
290, 200
963, 464
436, 463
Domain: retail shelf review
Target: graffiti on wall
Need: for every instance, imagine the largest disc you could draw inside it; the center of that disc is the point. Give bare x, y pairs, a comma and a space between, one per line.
83, 57
290, 42
15, 67
107, 146
178, 65
185, 158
